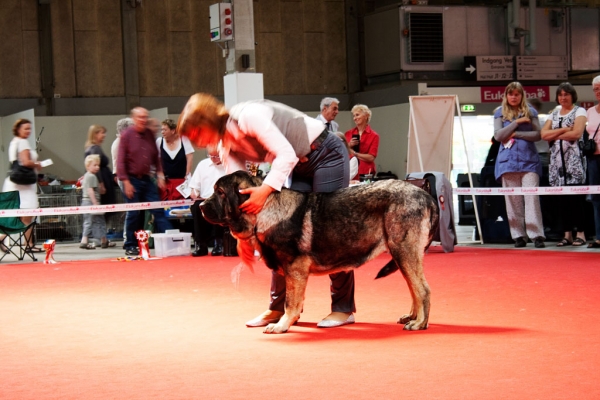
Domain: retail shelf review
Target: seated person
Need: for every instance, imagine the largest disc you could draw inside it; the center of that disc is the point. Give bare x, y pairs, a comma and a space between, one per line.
202, 183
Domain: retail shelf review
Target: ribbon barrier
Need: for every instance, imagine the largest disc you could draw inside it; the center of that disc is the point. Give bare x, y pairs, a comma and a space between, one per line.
94, 209
478, 191
531, 191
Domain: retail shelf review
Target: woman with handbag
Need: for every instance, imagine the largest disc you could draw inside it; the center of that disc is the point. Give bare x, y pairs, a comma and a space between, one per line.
23, 159
593, 160
564, 129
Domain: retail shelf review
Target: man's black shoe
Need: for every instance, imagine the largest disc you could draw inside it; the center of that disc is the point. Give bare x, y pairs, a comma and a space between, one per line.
132, 252
217, 251
200, 251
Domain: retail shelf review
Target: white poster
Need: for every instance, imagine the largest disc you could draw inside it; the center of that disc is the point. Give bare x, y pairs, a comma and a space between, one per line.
430, 133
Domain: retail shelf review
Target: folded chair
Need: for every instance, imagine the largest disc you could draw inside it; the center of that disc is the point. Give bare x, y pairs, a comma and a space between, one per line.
14, 242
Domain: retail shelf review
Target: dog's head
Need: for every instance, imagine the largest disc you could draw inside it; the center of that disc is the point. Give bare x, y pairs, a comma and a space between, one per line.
223, 207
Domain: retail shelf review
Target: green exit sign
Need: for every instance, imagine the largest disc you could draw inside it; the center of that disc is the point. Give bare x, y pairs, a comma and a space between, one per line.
467, 108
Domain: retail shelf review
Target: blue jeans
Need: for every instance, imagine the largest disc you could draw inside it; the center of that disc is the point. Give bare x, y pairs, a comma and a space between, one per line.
145, 191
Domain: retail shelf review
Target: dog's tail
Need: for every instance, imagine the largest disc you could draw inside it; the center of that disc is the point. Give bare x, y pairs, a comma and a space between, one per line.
387, 269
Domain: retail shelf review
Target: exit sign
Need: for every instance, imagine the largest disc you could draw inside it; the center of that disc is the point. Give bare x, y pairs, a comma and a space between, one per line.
467, 108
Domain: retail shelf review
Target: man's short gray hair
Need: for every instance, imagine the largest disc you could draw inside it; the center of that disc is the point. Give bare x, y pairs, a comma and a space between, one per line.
327, 101
123, 124
596, 80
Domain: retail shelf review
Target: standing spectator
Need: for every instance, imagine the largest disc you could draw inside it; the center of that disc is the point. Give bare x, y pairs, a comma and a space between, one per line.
563, 129
96, 136
593, 163
19, 149
176, 155
329, 110
202, 183
122, 125
517, 128
296, 145
93, 223
363, 140
138, 156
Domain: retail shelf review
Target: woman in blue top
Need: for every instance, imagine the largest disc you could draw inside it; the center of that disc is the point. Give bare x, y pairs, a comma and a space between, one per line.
517, 128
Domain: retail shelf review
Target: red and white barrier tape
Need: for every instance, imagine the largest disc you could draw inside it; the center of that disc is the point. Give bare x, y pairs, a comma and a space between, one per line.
94, 209
497, 191
531, 191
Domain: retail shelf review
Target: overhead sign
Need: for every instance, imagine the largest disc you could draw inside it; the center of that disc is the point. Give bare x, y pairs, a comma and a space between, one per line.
467, 108
541, 68
494, 94
490, 68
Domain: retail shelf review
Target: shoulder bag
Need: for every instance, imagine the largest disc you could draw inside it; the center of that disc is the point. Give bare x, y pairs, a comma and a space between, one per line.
588, 146
22, 175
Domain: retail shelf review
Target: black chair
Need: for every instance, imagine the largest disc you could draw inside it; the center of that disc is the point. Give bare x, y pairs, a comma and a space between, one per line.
13, 229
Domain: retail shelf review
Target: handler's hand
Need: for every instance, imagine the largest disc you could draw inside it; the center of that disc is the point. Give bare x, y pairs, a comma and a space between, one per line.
258, 197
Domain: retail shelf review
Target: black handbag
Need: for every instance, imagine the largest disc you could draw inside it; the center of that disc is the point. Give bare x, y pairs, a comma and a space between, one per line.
22, 175
588, 147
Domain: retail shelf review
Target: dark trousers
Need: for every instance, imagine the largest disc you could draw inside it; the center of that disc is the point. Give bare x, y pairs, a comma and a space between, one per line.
203, 228
145, 191
326, 170
572, 212
594, 179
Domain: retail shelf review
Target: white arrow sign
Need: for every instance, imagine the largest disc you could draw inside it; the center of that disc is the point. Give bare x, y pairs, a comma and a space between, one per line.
470, 69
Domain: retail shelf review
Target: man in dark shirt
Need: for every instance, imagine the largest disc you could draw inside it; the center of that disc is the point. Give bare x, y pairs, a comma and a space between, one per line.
136, 159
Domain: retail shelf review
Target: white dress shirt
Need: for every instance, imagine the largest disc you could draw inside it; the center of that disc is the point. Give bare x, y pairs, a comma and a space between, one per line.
251, 124
204, 177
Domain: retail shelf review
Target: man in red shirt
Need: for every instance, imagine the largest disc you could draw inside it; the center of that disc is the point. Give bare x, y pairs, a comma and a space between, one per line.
137, 158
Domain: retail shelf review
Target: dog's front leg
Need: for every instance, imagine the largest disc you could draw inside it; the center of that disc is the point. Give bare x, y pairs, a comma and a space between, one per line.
295, 286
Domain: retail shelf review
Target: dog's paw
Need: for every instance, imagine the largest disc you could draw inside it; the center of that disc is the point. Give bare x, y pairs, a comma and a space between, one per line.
411, 323
405, 319
415, 326
276, 328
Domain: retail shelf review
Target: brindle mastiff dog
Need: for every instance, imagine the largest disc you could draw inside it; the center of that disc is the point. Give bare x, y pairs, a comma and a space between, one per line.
299, 234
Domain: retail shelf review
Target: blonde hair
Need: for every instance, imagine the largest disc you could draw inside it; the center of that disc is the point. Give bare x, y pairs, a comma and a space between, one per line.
509, 113
362, 109
91, 138
92, 158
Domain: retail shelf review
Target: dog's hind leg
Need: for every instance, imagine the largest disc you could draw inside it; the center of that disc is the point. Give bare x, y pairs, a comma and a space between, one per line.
409, 254
296, 278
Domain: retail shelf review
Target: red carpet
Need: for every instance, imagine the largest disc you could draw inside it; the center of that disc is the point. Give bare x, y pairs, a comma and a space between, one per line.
504, 325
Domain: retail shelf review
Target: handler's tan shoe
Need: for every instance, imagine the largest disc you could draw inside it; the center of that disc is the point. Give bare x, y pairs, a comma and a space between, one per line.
264, 319
336, 319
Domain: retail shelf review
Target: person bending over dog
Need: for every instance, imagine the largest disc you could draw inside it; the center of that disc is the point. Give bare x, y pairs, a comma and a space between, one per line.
296, 145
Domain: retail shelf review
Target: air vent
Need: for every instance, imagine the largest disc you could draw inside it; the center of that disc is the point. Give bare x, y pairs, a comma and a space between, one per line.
426, 37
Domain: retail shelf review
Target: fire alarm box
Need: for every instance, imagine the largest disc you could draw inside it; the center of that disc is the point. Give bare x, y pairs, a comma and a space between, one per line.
221, 22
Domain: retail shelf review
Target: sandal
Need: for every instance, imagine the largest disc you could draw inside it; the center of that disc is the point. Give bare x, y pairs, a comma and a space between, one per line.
108, 244
578, 242
564, 242
87, 246
35, 249
594, 245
